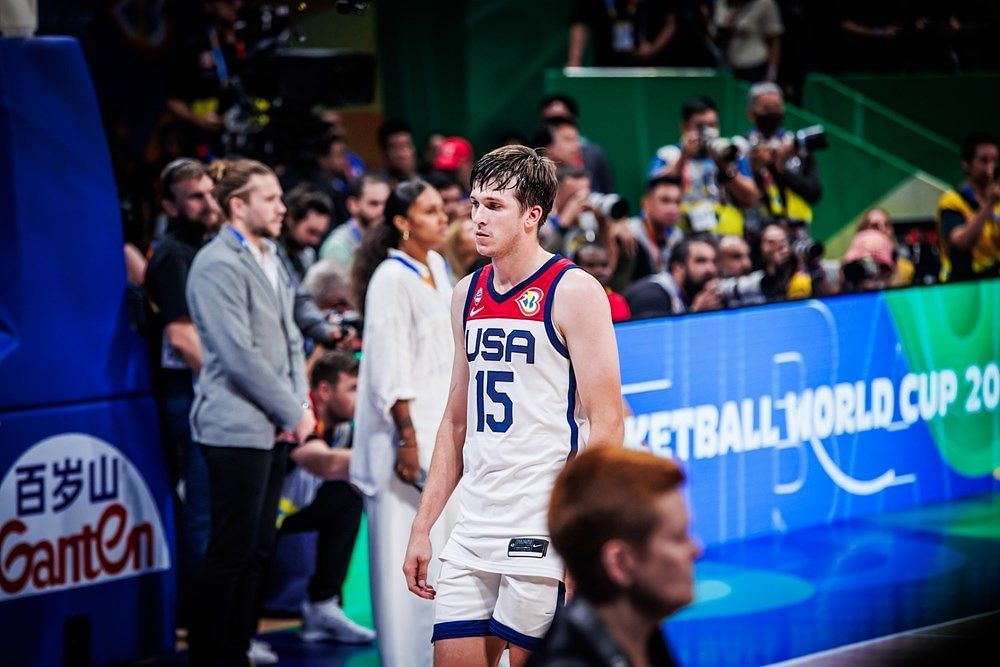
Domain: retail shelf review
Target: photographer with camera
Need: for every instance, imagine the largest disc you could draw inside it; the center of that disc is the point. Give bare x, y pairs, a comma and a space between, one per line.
969, 217
305, 223
716, 176
688, 285
580, 216
783, 164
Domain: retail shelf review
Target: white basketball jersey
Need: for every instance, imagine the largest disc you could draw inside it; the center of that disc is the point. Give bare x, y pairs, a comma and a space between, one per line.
523, 423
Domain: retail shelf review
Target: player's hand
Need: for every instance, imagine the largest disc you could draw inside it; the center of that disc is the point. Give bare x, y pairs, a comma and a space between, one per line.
418, 555
407, 463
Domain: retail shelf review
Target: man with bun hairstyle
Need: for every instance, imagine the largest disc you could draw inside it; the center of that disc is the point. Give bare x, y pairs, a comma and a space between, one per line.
251, 403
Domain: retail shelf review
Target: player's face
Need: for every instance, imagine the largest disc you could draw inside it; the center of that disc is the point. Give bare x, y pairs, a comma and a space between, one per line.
663, 578
338, 399
501, 224
264, 210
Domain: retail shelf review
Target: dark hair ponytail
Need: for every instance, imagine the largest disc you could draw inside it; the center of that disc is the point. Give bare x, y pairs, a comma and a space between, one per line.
380, 237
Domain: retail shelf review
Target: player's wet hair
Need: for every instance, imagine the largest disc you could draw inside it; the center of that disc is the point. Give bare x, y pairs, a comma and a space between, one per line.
529, 175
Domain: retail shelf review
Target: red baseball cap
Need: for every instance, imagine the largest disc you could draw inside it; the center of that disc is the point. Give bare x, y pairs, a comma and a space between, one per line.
454, 151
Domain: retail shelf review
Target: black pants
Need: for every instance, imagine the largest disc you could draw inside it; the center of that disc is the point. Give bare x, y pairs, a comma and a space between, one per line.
335, 514
244, 486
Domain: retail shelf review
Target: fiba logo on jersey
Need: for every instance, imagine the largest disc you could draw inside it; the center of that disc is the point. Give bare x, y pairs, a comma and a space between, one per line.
530, 301
479, 296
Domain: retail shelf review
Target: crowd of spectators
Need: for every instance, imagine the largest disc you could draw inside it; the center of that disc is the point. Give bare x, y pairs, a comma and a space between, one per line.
723, 223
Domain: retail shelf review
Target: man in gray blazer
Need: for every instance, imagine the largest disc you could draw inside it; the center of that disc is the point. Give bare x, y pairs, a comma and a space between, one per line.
251, 403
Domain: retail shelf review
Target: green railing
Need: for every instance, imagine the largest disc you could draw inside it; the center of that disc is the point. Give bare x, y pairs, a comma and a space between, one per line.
881, 126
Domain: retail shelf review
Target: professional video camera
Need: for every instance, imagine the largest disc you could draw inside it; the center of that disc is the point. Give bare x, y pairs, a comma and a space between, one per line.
281, 82
347, 321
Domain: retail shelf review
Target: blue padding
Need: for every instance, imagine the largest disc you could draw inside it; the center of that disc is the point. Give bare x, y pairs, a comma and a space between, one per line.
64, 332
459, 629
516, 638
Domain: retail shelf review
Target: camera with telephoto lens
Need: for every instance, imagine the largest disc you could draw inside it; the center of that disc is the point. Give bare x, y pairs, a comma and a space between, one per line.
721, 149
347, 321
608, 205
807, 249
810, 139
754, 288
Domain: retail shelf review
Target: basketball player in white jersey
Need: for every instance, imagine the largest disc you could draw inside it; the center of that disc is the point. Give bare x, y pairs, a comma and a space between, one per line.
535, 379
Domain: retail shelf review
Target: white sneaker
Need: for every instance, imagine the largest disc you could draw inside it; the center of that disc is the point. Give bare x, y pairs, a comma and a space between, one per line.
326, 620
261, 653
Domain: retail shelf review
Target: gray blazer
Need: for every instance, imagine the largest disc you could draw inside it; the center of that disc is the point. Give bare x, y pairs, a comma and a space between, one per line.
252, 382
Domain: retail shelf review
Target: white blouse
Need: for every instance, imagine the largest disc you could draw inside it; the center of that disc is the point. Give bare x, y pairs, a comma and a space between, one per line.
408, 349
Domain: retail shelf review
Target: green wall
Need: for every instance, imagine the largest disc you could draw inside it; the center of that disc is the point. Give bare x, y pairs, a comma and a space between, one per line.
473, 68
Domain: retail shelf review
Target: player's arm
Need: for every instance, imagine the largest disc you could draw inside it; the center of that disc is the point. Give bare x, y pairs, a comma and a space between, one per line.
582, 314
446, 463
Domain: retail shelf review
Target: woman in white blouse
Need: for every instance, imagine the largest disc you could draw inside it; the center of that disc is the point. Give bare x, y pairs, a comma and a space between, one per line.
402, 285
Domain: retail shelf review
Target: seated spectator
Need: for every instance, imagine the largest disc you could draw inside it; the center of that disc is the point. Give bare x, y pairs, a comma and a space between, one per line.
578, 217
750, 33
969, 217
568, 207
595, 260
460, 249
561, 140
429, 153
688, 285
329, 291
306, 220
457, 204
306, 223
335, 125
785, 277
366, 204
656, 228
714, 189
317, 497
619, 518
879, 220
734, 257
455, 158
786, 174
399, 155
556, 106
868, 265
626, 33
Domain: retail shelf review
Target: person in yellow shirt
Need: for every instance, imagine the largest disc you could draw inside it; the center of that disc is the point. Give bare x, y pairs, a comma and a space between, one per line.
969, 217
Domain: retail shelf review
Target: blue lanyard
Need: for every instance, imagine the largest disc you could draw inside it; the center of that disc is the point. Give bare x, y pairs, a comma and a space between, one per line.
408, 265
221, 69
239, 237
355, 230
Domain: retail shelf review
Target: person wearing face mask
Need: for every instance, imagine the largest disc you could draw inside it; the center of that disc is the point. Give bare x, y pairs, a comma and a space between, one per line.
785, 173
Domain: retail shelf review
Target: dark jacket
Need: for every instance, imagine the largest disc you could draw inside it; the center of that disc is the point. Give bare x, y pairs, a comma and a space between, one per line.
578, 638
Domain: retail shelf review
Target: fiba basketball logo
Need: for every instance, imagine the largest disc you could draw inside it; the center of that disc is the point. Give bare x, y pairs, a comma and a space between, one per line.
530, 301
